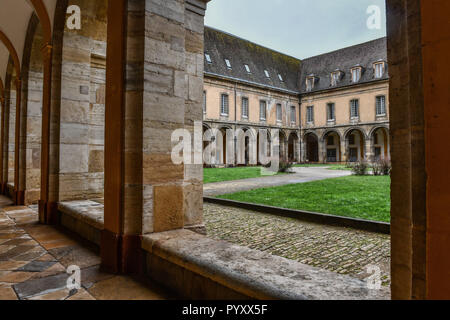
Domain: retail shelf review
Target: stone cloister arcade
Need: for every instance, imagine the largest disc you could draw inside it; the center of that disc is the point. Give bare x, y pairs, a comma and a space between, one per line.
342, 145
86, 123
240, 145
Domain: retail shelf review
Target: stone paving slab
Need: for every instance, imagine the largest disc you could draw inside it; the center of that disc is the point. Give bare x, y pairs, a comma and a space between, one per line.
337, 249
34, 258
300, 175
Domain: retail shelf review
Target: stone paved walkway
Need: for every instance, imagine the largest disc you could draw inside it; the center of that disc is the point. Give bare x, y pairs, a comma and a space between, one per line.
34, 259
301, 175
342, 250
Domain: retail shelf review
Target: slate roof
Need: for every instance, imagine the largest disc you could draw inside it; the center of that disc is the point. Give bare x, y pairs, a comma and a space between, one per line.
221, 45
364, 54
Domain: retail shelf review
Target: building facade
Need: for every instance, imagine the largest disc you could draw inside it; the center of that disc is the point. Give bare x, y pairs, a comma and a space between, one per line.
328, 108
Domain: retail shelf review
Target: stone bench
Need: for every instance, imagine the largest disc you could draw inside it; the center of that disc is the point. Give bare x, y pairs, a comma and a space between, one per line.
199, 268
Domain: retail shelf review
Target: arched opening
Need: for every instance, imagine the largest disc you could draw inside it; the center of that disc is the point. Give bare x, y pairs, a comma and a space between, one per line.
355, 145
312, 147
380, 144
332, 142
82, 107
31, 112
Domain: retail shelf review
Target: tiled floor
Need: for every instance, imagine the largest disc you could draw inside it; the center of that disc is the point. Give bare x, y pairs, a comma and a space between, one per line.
34, 259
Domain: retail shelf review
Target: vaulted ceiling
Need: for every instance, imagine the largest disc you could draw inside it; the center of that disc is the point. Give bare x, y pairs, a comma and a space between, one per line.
14, 18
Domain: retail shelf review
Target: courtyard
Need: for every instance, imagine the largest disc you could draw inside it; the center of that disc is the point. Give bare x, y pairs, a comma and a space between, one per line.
330, 189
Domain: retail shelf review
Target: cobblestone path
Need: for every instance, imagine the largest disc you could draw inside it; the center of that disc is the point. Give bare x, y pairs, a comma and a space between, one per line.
342, 250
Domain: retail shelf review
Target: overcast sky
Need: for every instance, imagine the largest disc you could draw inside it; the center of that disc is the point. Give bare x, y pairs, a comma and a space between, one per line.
300, 28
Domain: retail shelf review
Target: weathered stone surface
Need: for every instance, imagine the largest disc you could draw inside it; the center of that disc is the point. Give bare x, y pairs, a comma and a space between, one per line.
168, 211
254, 273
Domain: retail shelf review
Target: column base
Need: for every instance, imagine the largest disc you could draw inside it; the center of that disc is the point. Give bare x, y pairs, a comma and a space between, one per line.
121, 254
48, 213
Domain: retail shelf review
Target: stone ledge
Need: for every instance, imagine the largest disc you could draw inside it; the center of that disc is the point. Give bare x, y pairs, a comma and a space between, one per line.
87, 211
249, 273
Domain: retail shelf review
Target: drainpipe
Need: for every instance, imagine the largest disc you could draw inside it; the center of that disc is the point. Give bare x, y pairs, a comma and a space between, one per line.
235, 122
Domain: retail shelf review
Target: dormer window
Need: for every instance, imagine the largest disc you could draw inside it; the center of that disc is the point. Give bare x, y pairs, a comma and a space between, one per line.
280, 77
228, 63
267, 73
356, 74
247, 68
336, 77
310, 83
379, 68
208, 58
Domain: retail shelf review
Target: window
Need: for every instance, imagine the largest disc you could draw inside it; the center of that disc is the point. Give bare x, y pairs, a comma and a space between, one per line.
245, 107
310, 114
262, 110
228, 63
224, 105
267, 73
279, 113
351, 140
309, 83
331, 112
204, 101
247, 68
381, 105
356, 75
293, 114
335, 77
330, 141
379, 69
280, 77
354, 108
208, 58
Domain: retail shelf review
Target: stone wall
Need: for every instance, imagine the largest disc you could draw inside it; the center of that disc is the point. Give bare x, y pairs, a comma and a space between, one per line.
82, 105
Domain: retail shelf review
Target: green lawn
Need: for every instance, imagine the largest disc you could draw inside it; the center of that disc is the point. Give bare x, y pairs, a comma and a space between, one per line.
359, 197
230, 174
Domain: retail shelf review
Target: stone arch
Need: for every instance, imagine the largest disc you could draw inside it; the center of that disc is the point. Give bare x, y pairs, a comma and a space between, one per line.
380, 144
311, 141
331, 140
31, 112
355, 144
78, 145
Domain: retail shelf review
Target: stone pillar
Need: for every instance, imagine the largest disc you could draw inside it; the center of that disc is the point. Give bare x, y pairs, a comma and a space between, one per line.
154, 86
322, 150
369, 149
19, 192
343, 149
46, 214
2, 137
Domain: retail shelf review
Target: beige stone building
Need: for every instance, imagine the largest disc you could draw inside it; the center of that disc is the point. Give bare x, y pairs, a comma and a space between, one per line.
328, 108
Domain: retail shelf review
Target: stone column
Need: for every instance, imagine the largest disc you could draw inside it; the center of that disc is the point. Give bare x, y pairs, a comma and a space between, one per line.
154, 86
19, 193
368, 149
322, 150
2, 136
343, 150
46, 214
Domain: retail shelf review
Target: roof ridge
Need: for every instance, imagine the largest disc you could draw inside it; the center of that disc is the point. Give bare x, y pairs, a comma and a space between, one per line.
249, 41
345, 48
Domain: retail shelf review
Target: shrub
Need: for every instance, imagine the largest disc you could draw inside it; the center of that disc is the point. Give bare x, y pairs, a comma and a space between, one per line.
376, 168
386, 167
285, 166
360, 168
